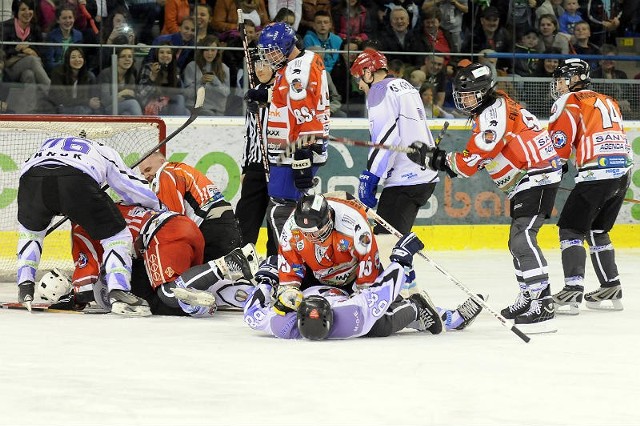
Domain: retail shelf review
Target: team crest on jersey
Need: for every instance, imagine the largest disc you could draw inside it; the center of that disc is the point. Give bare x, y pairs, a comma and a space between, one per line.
296, 85
320, 252
299, 245
82, 261
559, 139
489, 136
343, 245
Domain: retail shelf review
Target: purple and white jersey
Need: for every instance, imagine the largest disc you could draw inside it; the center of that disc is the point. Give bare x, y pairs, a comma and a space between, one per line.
397, 118
353, 316
101, 162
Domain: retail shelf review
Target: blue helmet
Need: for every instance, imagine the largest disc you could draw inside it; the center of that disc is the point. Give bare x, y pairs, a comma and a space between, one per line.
276, 43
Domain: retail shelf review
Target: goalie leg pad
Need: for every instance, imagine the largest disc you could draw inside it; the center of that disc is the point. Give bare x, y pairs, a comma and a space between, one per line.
117, 260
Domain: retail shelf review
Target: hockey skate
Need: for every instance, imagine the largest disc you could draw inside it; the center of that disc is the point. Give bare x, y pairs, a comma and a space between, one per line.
239, 263
469, 311
519, 307
194, 297
428, 318
568, 299
540, 317
26, 291
128, 304
595, 298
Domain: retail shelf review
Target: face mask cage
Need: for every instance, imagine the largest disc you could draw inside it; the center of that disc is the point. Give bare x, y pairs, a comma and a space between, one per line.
458, 98
273, 56
320, 235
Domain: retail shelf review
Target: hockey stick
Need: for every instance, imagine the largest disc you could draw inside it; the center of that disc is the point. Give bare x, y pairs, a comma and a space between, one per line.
195, 112
252, 84
373, 215
626, 200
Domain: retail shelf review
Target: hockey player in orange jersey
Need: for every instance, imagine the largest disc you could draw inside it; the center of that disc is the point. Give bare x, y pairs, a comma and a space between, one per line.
589, 124
188, 191
510, 144
298, 116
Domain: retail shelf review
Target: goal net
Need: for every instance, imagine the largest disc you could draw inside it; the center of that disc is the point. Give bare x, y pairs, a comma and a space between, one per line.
22, 135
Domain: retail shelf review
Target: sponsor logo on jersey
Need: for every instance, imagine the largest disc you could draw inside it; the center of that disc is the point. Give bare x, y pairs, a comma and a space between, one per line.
559, 139
613, 161
343, 245
320, 253
365, 238
610, 137
296, 85
169, 272
493, 123
82, 260
489, 136
298, 269
300, 245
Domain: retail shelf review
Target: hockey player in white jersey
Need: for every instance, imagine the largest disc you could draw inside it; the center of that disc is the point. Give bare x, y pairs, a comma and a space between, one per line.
396, 118
63, 178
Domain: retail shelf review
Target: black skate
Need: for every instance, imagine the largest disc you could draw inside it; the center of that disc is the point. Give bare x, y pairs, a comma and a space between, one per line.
26, 291
469, 310
539, 318
128, 304
519, 307
570, 296
428, 318
239, 263
595, 298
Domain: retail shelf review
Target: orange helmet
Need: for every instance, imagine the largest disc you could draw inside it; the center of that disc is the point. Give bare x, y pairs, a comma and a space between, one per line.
370, 59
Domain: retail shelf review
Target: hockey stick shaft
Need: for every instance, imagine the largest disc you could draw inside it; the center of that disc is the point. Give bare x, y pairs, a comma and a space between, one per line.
252, 84
626, 200
375, 216
195, 112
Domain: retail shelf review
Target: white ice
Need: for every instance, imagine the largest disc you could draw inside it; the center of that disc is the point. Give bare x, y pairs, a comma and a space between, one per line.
58, 369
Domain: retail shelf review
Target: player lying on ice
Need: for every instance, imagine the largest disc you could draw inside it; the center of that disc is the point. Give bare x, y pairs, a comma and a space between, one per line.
167, 270
329, 284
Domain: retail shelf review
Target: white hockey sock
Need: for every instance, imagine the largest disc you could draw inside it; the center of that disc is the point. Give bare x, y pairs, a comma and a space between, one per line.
117, 260
29, 253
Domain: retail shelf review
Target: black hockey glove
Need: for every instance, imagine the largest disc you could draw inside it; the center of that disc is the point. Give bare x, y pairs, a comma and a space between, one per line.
256, 98
438, 161
405, 248
302, 168
419, 154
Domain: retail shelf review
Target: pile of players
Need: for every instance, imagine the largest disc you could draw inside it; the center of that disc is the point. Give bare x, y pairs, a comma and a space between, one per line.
188, 246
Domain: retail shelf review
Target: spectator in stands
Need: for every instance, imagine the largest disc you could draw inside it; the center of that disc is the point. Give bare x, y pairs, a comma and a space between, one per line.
582, 45
546, 66
321, 39
183, 38
204, 18
225, 14
571, 16
46, 15
117, 24
64, 34
294, 6
489, 35
400, 38
385, 7
309, 9
285, 15
234, 59
605, 17
126, 98
550, 37
433, 37
537, 97
396, 68
527, 44
159, 86
4, 88
549, 7
23, 61
352, 20
144, 14
73, 86
417, 78
174, 12
352, 97
451, 16
208, 71
607, 71
435, 72
431, 109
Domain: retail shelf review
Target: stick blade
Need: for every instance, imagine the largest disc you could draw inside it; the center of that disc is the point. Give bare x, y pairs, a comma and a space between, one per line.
199, 98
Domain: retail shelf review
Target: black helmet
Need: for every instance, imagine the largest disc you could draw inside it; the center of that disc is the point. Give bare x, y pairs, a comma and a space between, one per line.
476, 79
571, 67
313, 217
315, 318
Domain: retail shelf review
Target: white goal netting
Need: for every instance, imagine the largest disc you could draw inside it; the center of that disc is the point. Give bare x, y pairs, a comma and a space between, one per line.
21, 136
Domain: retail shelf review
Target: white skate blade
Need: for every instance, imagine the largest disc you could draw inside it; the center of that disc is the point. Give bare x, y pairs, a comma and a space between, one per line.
194, 297
27, 304
548, 326
616, 305
567, 309
121, 308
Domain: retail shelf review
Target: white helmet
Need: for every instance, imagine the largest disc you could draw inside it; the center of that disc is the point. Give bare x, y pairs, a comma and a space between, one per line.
53, 285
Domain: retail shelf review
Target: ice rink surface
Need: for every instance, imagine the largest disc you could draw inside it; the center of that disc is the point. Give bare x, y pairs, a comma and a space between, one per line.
63, 369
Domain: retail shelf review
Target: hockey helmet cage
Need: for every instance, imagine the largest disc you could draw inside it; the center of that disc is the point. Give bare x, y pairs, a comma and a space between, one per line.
370, 59
313, 217
276, 43
475, 79
315, 318
53, 285
565, 72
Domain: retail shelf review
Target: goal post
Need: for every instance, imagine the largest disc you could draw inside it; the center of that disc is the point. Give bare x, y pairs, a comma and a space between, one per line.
22, 135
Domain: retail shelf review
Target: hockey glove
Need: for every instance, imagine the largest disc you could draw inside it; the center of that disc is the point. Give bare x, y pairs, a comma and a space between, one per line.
302, 168
438, 161
368, 188
288, 298
419, 154
268, 271
256, 98
405, 248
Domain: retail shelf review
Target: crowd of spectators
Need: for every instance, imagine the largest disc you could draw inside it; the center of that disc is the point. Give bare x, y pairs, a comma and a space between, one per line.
150, 43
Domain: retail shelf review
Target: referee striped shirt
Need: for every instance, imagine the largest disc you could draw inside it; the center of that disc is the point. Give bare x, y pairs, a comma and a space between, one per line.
252, 154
